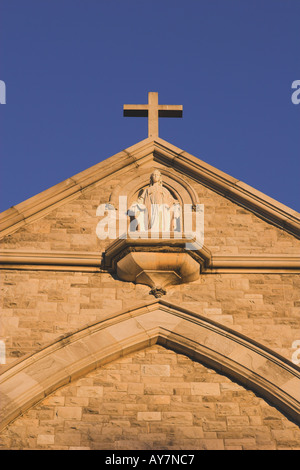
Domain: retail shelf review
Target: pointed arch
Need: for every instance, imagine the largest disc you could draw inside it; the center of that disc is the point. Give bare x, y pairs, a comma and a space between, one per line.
36, 376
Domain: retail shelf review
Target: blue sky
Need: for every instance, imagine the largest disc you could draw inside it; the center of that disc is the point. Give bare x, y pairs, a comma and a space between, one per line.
70, 65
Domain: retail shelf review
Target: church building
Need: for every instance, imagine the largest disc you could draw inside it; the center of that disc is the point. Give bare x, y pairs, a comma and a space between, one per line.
150, 302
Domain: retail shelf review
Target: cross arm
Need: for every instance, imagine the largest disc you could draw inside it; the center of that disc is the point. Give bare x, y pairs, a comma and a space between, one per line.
135, 110
170, 110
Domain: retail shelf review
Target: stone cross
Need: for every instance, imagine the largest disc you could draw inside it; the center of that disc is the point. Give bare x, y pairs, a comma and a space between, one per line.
153, 111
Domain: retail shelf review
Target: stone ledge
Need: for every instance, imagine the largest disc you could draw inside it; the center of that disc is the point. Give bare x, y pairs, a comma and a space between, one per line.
91, 261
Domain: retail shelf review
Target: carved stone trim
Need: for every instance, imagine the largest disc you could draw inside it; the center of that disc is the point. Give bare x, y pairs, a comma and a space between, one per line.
158, 292
93, 261
136, 260
34, 377
120, 247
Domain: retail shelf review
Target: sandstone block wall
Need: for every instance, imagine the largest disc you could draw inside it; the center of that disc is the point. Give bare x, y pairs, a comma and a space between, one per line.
153, 399
38, 307
228, 227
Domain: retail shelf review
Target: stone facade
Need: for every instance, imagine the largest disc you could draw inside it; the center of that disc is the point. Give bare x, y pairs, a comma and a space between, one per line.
40, 306
229, 228
155, 398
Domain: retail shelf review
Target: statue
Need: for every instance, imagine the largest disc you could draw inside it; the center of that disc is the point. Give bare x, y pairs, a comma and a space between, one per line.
156, 209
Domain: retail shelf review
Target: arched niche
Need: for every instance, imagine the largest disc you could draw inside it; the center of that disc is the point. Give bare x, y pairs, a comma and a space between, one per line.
132, 186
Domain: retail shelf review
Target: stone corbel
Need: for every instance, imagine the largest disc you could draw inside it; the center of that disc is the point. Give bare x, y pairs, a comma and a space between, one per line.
157, 263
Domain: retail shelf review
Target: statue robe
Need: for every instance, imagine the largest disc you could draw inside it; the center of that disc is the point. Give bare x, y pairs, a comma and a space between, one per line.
157, 202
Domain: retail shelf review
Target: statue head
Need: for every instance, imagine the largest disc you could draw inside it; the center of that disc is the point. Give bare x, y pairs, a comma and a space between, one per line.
155, 177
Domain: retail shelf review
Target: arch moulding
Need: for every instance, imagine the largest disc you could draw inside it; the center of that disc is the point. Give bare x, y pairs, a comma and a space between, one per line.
35, 376
133, 184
